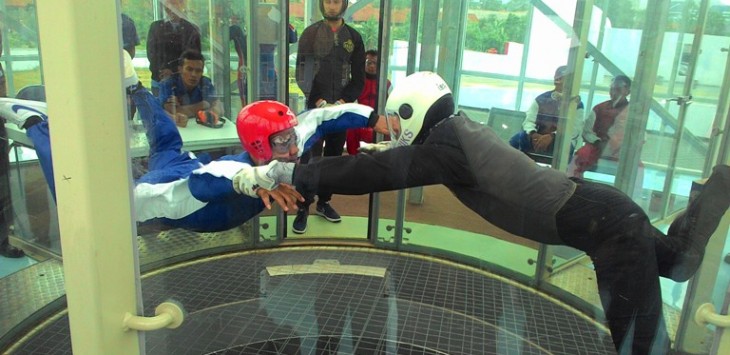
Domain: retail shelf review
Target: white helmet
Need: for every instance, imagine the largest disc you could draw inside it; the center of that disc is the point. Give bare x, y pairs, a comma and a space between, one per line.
420, 101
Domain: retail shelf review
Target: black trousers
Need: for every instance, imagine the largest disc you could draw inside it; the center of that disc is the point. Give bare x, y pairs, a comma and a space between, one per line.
629, 255
334, 144
5, 201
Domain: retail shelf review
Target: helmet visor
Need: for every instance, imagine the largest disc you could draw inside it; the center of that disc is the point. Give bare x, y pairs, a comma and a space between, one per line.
392, 120
281, 142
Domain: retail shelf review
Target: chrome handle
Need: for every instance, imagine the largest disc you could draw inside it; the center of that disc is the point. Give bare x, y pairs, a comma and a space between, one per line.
682, 100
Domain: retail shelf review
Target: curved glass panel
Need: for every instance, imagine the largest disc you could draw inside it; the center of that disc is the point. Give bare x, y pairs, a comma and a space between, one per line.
437, 268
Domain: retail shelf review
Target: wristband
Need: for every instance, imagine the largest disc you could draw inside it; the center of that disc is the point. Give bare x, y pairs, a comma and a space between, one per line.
323, 103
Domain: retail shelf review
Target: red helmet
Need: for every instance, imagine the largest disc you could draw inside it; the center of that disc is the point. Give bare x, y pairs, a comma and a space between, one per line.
258, 121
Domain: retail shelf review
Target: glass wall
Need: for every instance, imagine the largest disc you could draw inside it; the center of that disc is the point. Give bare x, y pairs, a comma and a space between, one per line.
498, 57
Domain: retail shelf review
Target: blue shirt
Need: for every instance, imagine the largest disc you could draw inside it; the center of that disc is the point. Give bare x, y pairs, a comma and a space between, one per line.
174, 86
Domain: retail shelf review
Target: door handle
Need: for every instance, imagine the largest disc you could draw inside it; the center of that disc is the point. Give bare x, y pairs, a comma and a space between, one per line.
682, 100
169, 314
706, 315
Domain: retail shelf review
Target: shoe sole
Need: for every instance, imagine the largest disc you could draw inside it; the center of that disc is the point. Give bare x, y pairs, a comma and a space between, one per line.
296, 231
333, 220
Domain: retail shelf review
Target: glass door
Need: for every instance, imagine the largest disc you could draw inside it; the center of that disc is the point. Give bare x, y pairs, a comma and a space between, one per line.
706, 294
683, 125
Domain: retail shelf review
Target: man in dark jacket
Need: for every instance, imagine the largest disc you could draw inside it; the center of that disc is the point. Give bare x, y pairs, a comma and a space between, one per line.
510, 191
167, 40
330, 71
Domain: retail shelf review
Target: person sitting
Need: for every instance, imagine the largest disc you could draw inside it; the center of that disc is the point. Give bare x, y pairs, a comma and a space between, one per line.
180, 190
167, 39
188, 93
603, 131
541, 122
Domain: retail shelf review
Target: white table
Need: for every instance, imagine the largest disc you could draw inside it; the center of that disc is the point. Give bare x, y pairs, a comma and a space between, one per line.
195, 137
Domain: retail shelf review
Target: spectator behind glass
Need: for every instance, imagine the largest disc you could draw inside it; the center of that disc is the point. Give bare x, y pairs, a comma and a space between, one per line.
167, 40
268, 75
130, 38
236, 38
603, 132
269, 19
187, 92
541, 123
330, 71
6, 205
369, 97
237, 35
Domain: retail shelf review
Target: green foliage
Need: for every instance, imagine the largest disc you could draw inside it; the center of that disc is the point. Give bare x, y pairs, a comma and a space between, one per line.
369, 32
401, 31
494, 32
515, 28
399, 4
21, 27
140, 11
494, 5
517, 5
717, 24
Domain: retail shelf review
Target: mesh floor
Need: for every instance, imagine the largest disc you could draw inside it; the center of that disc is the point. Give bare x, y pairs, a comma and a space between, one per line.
348, 301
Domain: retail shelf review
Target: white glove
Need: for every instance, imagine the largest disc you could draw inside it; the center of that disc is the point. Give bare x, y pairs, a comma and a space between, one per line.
371, 148
249, 179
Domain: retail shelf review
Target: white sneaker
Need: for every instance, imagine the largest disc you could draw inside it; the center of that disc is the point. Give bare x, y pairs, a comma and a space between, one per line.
18, 111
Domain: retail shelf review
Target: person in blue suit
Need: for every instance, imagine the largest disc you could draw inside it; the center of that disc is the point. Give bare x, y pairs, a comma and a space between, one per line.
183, 191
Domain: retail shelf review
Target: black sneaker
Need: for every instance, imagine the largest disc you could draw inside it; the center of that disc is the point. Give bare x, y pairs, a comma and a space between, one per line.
10, 251
300, 222
706, 211
329, 213
698, 222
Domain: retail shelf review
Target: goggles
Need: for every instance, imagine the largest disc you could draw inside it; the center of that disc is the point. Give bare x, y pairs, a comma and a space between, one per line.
280, 144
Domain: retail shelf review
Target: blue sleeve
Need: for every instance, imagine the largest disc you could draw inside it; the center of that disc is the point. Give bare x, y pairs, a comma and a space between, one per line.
207, 187
315, 123
342, 123
165, 90
214, 181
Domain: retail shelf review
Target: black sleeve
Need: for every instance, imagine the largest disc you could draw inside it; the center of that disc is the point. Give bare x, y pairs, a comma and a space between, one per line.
153, 54
305, 50
194, 41
395, 169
